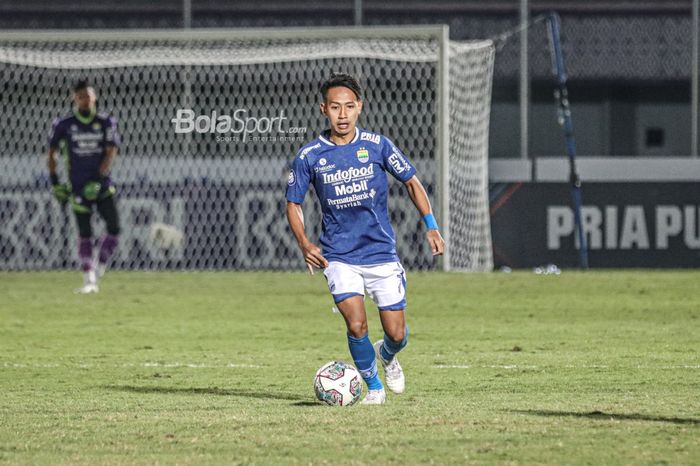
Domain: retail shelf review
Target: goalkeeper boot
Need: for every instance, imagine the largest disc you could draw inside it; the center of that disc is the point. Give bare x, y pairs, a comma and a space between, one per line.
88, 288
374, 397
395, 380
89, 283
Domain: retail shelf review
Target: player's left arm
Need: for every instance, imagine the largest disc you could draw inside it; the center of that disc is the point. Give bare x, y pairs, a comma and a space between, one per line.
92, 190
417, 193
112, 140
107, 160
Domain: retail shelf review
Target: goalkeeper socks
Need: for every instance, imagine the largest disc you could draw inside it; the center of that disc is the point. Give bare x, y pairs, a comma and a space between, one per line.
391, 347
362, 353
107, 247
85, 254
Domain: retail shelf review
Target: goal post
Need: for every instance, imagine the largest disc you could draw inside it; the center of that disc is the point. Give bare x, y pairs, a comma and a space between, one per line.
212, 166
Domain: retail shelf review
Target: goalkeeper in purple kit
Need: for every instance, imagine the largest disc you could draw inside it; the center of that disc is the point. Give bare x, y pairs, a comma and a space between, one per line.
348, 168
88, 142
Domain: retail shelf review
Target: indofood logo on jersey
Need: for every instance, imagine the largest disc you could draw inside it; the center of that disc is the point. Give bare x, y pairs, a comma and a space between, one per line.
86, 143
80, 137
345, 176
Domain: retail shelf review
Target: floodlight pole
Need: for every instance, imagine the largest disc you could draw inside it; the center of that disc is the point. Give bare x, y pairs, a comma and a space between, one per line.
186, 14
524, 80
186, 100
358, 12
695, 85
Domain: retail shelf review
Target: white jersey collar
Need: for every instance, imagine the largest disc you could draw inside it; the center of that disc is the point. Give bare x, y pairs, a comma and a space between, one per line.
330, 143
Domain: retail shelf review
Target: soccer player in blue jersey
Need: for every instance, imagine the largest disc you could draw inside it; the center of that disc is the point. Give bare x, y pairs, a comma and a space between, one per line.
348, 168
88, 142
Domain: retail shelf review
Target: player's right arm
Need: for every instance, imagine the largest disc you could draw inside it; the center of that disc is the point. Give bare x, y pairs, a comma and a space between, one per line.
60, 191
297, 185
52, 164
312, 253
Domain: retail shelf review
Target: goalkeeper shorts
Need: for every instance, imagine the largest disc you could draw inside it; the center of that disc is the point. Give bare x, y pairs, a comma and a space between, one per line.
81, 205
385, 283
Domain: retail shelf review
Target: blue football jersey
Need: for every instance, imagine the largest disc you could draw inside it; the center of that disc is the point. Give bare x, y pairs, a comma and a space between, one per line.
352, 188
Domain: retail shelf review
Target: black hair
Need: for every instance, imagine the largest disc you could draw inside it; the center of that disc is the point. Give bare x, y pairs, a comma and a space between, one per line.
341, 80
81, 84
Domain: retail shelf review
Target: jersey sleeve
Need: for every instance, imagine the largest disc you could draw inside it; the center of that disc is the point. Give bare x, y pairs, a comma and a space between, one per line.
55, 133
111, 133
299, 180
395, 162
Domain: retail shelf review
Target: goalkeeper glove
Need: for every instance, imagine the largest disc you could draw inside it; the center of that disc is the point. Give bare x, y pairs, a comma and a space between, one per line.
60, 191
92, 190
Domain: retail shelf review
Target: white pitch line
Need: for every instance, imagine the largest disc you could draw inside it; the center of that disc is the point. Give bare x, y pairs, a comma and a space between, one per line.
198, 366
492, 366
23, 365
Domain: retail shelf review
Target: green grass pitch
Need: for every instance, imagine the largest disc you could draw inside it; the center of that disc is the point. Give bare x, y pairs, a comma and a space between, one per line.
216, 368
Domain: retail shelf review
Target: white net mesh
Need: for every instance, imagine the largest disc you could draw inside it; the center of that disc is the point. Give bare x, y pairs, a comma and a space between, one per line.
470, 99
222, 188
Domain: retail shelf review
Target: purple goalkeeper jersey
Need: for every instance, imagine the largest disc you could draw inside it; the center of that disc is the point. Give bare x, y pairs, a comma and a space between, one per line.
82, 141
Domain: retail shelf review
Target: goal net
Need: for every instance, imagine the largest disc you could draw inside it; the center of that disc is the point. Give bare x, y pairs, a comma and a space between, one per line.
210, 121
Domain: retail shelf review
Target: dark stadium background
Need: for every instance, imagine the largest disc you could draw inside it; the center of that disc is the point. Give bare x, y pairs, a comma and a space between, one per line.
629, 67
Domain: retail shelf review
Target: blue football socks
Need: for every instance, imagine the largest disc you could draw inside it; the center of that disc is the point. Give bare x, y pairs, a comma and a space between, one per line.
362, 353
391, 347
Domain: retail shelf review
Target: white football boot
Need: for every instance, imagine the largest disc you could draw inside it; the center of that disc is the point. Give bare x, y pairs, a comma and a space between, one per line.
374, 397
395, 380
89, 283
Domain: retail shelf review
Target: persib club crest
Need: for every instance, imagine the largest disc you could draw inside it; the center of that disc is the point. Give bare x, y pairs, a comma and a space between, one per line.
291, 179
363, 155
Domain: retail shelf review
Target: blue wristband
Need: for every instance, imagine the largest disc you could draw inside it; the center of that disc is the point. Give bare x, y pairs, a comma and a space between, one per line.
430, 222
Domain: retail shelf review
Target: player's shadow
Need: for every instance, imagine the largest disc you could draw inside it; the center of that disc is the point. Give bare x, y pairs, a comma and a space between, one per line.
603, 416
267, 395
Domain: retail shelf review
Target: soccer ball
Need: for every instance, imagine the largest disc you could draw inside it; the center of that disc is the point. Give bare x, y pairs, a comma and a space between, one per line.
166, 236
338, 384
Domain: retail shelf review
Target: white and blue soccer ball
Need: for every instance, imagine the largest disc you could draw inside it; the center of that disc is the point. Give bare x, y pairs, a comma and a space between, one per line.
338, 384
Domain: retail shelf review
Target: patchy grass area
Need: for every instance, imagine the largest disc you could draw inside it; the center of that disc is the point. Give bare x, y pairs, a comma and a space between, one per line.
217, 368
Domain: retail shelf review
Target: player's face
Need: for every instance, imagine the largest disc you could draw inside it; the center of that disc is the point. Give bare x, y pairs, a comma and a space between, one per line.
342, 108
85, 99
